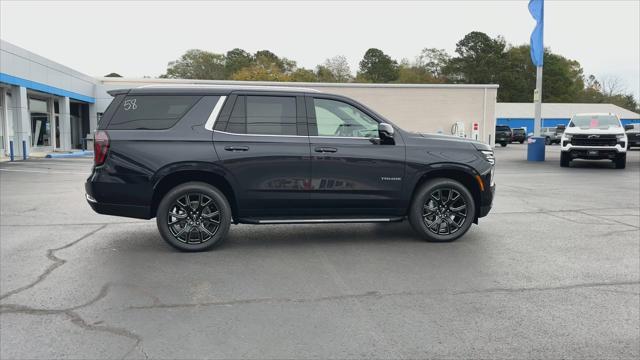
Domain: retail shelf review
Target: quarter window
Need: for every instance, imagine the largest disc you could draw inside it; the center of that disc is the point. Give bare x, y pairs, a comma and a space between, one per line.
336, 118
151, 112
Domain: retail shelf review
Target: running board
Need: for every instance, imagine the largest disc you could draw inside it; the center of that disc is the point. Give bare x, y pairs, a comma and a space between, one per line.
317, 221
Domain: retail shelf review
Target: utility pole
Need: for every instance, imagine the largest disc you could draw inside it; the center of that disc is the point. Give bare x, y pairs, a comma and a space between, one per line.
537, 101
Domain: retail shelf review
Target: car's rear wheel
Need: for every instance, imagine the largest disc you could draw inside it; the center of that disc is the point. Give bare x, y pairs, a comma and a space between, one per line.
442, 210
547, 141
620, 161
565, 159
503, 144
194, 216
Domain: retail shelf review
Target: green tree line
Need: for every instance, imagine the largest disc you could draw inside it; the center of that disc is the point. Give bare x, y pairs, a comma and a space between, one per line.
478, 59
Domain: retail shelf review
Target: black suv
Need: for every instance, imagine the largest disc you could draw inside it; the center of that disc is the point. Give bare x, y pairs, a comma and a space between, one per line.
199, 158
503, 135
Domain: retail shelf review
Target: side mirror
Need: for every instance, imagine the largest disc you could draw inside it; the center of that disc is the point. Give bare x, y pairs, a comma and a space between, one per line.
628, 127
385, 131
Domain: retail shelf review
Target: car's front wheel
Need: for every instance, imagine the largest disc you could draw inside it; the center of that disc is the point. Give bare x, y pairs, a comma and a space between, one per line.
194, 216
503, 144
565, 159
620, 161
442, 210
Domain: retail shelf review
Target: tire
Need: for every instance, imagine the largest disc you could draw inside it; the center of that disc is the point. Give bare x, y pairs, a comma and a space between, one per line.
620, 161
565, 159
547, 141
425, 200
521, 141
211, 213
503, 144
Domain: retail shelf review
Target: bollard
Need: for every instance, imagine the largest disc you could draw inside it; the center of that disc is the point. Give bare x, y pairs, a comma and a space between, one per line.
11, 150
24, 150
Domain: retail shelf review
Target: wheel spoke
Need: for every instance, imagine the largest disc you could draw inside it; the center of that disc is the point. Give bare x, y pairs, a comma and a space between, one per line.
445, 211
178, 216
210, 215
194, 212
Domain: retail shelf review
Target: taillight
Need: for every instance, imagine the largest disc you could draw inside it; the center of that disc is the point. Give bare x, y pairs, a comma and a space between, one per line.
100, 147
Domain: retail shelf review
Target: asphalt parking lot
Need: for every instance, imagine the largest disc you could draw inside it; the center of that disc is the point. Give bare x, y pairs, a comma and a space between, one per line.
552, 272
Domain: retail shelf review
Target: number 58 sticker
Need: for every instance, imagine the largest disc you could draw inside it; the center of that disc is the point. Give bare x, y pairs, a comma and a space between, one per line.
130, 104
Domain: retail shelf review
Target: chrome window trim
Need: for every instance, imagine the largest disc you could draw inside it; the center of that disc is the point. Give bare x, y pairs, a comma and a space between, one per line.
237, 134
211, 121
341, 137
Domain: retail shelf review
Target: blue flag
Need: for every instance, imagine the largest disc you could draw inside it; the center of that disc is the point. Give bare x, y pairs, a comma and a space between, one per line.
536, 8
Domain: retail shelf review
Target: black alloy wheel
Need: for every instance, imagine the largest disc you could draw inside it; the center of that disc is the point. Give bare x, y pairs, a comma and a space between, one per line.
442, 210
194, 216
445, 211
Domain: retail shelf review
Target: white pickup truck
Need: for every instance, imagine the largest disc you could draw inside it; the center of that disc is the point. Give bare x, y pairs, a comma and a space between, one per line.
594, 136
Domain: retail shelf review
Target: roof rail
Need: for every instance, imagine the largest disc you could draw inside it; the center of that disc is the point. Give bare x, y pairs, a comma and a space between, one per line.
232, 87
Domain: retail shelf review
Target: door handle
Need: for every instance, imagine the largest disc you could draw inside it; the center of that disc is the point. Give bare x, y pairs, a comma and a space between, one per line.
325, 150
236, 148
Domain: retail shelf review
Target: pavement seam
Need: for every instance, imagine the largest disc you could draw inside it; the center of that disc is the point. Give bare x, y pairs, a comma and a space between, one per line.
57, 262
377, 294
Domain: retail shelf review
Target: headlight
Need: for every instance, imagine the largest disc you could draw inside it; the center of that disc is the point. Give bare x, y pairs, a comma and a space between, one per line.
567, 136
621, 137
488, 155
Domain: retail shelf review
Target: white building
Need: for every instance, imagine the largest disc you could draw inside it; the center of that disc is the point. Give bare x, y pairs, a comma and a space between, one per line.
49, 107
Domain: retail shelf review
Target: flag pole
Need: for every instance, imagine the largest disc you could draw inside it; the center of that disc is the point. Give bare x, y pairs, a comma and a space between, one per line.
537, 99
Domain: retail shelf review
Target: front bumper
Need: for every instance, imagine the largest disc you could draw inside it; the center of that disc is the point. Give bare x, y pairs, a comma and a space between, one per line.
594, 152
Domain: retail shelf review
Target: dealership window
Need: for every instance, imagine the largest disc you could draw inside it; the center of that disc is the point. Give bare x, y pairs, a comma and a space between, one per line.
146, 112
40, 123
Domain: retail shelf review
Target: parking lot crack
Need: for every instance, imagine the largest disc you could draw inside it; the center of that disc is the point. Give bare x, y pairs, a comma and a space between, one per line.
75, 318
57, 262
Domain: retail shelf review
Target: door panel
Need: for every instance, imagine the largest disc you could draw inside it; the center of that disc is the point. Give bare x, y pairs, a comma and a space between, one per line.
354, 175
272, 169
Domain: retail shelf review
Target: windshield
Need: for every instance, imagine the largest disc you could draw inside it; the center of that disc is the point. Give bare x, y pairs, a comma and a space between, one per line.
502, 128
594, 121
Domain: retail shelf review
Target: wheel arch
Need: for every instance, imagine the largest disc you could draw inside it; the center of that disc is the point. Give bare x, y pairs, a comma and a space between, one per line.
172, 176
461, 173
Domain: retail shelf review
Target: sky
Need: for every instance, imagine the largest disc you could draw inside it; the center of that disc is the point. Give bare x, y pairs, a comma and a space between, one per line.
139, 38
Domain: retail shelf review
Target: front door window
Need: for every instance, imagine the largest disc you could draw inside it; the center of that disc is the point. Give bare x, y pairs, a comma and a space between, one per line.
336, 118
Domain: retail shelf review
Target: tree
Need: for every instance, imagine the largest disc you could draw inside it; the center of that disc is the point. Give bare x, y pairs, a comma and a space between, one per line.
409, 73
303, 75
260, 73
235, 60
267, 59
113, 75
433, 61
197, 64
335, 69
480, 59
378, 67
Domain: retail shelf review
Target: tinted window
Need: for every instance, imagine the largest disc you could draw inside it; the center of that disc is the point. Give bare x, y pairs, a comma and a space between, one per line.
594, 121
147, 112
269, 115
502, 128
336, 118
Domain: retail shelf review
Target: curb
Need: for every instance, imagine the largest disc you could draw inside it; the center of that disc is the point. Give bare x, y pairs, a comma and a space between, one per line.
75, 154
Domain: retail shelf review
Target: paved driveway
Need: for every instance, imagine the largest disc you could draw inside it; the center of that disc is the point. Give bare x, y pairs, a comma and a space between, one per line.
552, 272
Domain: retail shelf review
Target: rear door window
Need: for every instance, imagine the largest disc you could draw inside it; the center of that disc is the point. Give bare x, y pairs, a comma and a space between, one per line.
263, 115
151, 112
